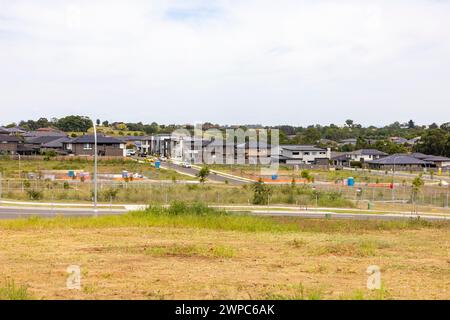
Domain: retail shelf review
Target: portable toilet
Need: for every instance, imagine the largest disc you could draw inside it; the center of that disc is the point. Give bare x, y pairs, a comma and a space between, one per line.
351, 181
71, 174
157, 164
124, 174
274, 177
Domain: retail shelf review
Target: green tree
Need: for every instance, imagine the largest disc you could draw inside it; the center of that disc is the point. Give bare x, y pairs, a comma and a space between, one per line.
261, 193
74, 123
307, 176
435, 142
417, 184
203, 174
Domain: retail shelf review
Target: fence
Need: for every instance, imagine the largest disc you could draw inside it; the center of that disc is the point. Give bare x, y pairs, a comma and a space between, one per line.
166, 191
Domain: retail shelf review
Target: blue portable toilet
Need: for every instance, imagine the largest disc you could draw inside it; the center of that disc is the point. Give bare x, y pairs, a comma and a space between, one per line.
157, 164
274, 177
351, 181
71, 174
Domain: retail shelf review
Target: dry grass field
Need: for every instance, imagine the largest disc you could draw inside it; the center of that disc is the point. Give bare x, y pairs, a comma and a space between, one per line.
209, 256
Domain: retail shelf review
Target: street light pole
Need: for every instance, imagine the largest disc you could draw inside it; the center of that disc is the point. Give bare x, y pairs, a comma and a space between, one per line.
95, 169
393, 179
20, 169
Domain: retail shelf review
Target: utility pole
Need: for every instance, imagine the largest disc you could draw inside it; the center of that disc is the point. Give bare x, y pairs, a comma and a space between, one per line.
1, 185
95, 169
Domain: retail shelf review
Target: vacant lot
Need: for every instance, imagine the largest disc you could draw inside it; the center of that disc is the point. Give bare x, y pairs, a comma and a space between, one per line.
205, 254
12, 169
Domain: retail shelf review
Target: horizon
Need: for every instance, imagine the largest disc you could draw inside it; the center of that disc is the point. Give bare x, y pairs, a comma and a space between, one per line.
340, 125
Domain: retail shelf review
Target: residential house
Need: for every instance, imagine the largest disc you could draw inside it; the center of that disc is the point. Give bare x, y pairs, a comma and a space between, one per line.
351, 141
161, 145
8, 144
304, 154
362, 155
403, 141
16, 130
4, 130
106, 146
60, 145
254, 152
45, 132
438, 161
141, 143
398, 162
37, 143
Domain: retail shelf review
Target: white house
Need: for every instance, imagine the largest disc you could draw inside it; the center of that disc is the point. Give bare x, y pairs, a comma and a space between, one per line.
304, 154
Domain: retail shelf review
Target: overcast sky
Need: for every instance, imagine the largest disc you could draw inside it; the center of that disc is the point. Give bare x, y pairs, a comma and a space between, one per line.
226, 61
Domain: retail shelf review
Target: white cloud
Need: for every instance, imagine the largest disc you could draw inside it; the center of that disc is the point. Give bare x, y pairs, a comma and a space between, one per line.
227, 61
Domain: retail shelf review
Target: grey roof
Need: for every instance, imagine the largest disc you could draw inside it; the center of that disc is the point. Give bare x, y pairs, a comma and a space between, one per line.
100, 139
297, 147
370, 152
8, 138
58, 143
133, 138
4, 130
253, 145
341, 157
398, 159
16, 129
42, 139
436, 159
44, 134
419, 155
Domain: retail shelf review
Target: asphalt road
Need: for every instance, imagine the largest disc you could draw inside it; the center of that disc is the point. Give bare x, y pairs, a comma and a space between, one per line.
25, 212
348, 216
193, 172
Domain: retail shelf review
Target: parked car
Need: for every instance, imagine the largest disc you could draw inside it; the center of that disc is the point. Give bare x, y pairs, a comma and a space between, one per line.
186, 164
130, 152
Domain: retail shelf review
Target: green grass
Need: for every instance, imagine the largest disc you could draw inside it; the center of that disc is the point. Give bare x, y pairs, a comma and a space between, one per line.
10, 291
199, 216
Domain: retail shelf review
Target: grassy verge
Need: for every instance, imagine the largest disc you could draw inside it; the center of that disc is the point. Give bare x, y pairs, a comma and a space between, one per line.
200, 216
190, 251
9, 290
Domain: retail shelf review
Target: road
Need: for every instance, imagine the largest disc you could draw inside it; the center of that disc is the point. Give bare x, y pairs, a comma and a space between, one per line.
25, 212
347, 216
214, 177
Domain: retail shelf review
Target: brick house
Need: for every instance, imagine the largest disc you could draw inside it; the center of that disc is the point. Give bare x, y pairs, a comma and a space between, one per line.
8, 144
106, 146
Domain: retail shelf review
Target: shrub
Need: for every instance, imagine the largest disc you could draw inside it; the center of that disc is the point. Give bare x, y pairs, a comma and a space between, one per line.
34, 194
261, 193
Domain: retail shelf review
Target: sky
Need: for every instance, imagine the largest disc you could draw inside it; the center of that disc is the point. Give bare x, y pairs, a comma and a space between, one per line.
295, 62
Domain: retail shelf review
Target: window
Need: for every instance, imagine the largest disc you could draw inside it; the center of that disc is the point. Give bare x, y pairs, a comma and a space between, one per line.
295, 153
87, 146
306, 153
